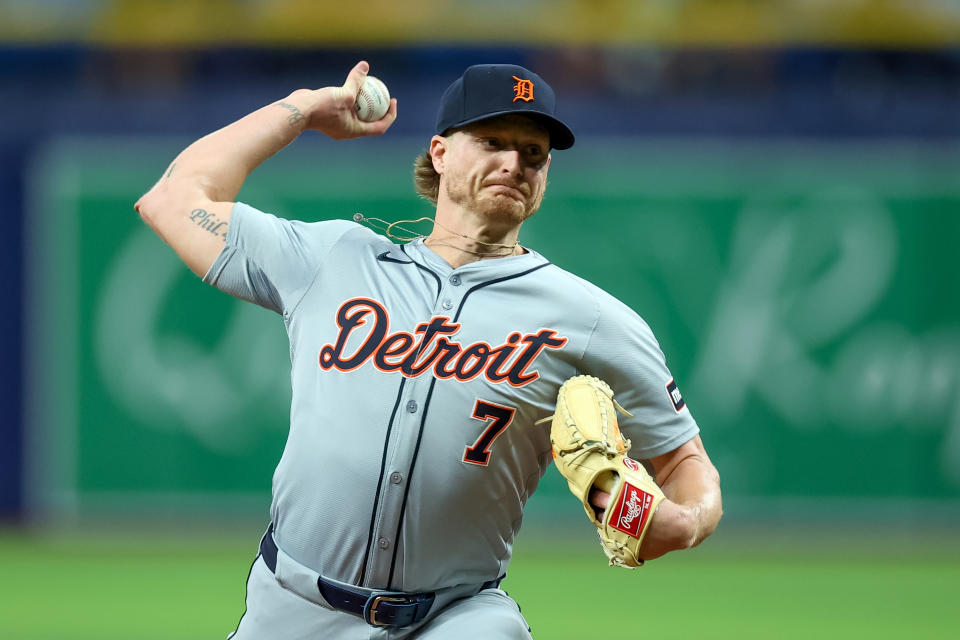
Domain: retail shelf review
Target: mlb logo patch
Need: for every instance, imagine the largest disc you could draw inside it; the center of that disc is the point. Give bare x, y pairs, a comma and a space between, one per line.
675, 396
632, 510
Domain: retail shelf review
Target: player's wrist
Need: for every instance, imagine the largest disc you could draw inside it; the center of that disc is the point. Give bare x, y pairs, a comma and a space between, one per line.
674, 526
296, 109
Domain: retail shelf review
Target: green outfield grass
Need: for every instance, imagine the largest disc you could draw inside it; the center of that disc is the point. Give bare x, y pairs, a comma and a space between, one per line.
743, 585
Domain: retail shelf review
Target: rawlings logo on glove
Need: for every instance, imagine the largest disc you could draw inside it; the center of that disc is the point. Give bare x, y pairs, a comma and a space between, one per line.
637, 510
590, 452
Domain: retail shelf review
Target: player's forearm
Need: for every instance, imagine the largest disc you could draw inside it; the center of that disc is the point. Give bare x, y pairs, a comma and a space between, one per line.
216, 166
694, 484
190, 207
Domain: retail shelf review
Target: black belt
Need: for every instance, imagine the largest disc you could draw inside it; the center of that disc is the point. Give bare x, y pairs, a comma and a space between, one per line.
377, 608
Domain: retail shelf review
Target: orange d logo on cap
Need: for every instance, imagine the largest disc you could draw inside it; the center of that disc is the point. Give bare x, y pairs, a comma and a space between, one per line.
522, 90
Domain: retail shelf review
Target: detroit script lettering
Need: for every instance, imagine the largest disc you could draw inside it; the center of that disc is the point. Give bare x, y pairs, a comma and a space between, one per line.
430, 348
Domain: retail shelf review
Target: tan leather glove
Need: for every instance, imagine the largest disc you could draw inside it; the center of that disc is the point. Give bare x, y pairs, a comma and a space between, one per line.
590, 452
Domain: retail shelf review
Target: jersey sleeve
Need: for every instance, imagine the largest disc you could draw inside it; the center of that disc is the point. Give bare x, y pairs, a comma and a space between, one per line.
623, 351
272, 261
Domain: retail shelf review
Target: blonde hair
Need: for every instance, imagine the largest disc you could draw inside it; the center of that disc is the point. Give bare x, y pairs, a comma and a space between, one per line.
426, 180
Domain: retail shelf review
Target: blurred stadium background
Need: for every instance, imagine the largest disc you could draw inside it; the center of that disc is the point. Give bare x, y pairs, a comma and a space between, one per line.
774, 186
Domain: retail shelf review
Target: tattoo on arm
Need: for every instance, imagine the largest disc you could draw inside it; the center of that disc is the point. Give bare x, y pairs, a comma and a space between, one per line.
295, 116
209, 222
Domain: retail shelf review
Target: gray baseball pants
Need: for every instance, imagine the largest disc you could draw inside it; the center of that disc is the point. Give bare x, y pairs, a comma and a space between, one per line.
278, 612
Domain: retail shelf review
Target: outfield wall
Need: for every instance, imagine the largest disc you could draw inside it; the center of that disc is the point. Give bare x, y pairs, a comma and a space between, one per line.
715, 137
805, 293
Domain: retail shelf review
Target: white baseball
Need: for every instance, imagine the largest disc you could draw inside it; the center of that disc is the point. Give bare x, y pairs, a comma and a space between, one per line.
373, 100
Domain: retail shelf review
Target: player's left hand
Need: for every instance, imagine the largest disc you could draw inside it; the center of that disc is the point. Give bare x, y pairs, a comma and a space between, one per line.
331, 110
669, 530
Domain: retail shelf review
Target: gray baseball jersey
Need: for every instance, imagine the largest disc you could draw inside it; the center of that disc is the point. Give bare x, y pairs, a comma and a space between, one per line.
412, 447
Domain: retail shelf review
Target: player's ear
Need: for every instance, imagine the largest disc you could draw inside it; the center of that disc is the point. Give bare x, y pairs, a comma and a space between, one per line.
438, 148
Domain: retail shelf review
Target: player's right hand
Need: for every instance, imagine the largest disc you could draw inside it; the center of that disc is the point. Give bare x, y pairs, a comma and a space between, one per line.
331, 110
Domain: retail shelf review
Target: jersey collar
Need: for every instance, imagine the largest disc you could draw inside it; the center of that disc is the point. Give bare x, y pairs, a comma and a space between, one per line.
490, 268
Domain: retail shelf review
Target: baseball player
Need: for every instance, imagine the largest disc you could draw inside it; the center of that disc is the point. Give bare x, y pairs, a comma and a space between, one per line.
425, 373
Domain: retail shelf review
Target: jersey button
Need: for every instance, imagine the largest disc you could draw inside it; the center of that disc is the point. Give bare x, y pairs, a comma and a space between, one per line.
383, 543
412, 406
396, 477
448, 304
455, 280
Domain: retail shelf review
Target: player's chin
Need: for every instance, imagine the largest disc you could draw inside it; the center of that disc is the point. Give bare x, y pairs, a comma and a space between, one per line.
506, 209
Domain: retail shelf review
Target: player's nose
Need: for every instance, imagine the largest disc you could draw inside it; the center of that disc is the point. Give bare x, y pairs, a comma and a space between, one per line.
511, 162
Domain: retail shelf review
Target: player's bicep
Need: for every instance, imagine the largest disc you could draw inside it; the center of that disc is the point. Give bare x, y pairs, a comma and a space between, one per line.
690, 451
195, 228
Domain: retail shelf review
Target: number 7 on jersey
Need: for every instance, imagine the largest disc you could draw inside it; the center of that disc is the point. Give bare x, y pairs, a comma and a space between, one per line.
499, 418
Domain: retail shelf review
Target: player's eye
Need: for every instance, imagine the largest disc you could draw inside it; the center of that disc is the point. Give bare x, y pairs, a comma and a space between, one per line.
491, 143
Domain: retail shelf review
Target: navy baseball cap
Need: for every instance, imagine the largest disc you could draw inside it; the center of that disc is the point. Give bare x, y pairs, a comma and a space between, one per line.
488, 90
